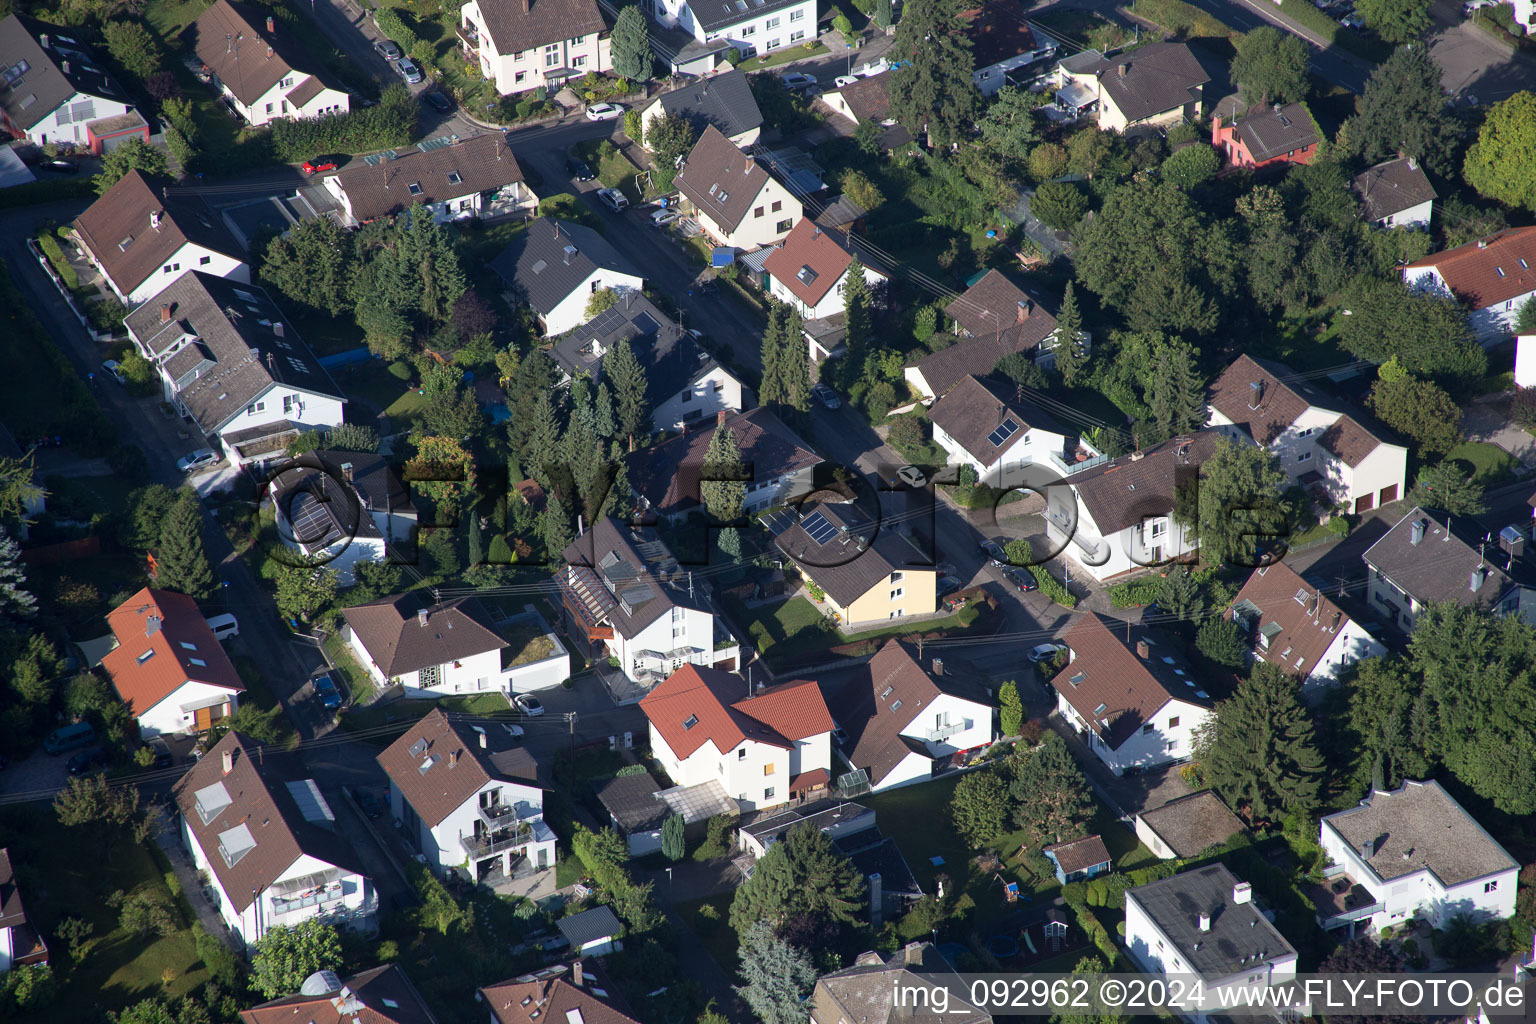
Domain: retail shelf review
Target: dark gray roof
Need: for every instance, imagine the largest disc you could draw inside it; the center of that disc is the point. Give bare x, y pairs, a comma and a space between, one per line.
822, 814
720, 179
242, 345
434, 171
1269, 132
873, 853
672, 360
1118, 493
37, 78
1239, 935
1441, 566
976, 414
1157, 77
391, 630
553, 258
632, 802
851, 553
320, 509
1392, 187
863, 992
724, 101
626, 574
713, 15
518, 25
377, 485
589, 926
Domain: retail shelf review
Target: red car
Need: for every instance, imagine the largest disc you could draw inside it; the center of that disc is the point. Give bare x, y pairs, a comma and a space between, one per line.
320, 163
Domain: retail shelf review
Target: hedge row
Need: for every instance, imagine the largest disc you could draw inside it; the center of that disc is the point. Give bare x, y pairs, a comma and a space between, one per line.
35, 192
392, 122
50, 247
1053, 588
1137, 592
1180, 17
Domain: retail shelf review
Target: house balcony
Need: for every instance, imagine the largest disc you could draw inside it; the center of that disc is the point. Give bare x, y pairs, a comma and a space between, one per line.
469, 40
295, 894
944, 732
498, 816
516, 836
1342, 901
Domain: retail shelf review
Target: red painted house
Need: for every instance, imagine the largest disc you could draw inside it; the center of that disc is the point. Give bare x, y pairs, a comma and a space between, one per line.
1266, 135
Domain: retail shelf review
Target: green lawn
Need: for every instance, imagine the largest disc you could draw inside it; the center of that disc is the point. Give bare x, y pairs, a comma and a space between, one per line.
69, 873
381, 391
359, 682
795, 627
715, 931
784, 56
1489, 464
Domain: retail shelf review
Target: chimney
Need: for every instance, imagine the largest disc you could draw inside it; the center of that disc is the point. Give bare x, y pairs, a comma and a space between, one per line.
346, 471
938, 666
1143, 649
453, 759
421, 618
1368, 848
165, 313
1023, 311
1242, 893
154, 220
1255, 393
269, 53
1482, 243
271, 26
914, 953
64, 66
229, 761
577, 977
42, 40
1205, 922
1413, 163
1475, 581
876, 900
482, 739
1416, 533
152, 625
1122, 67
720, 418
525, 6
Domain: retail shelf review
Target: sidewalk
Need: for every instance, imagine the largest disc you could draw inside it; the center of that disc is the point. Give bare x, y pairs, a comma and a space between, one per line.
169, 841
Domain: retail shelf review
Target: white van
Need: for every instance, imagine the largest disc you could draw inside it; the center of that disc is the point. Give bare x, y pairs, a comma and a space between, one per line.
224, 626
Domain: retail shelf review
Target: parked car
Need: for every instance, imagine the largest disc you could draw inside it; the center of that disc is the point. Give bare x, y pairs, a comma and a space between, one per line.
69, 737
947, 585
114, 369
1046, 652
163, 756
223, 626
613, 199
661, 218
1021, 579
329, 691
389, 49
1354, 21
795, 81
604, 111
994, 551
827, 397
528, 704
368, 802
912, 476
320, 164
437, 101
88, 762
409, 71
579, 168
60, 165
197, 460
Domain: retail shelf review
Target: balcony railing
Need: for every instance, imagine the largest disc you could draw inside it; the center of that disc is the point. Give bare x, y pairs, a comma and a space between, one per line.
469, 38
498, 816
944, 732
290, 904
497, 842
1353, 914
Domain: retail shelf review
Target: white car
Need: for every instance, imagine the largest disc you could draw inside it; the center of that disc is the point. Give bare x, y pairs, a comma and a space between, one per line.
613, 199
223, 626
661, 218
528, 704
197, 460
604, 111
874, 67
843, 80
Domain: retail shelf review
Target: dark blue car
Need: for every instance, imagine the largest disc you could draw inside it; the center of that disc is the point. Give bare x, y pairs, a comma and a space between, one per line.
328, 691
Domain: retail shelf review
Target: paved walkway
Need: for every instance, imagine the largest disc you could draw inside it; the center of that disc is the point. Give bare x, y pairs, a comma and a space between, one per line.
169, 840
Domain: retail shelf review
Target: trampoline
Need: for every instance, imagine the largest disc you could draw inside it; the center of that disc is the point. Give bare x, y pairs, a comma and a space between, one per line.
1002, 947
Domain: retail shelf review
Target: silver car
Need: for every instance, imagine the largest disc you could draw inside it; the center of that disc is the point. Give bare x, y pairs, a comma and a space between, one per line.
409, 71
197, 460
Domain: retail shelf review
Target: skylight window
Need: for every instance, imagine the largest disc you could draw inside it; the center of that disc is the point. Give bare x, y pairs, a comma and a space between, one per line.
199, 662
1077, 679
807, 275
419, 747
1499, 271
426, 765
187, 646
414, 188
896, 706
454, 178
690, 722
1301, 597
141, 659
1101, 709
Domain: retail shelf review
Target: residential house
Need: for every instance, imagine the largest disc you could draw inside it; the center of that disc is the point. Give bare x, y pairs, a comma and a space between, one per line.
994, 318
228, 359
665, 477
1001, 43
723, 101
450, 178
1396, 194
592, 932
868, 98
810, 269
1524, 13
553, 994
1078, 860
1412, 853
867, 572
1491, 277
1429, 556
21, 944
266, 839
522, 45
767, 748
1265, 136
635, 811
835, 818
167, 667
1205, 923
683, 383
863, 992
736, 201
1292, 626
433, 648
749, 27
1155, 85
625, 597
57, 92
1187, 826
1115, 515
900, 723
1340, 457
470, 797
1135, 703
141, 240
556, 267
382, 995
341, 507
265, 75
985, 425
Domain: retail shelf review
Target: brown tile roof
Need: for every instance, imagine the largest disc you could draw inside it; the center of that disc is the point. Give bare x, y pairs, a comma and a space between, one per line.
518, 25
1300, 623
385, 994
667, 475
232, 41
974, 409
169, 628
1114, 688
1000, 317
120, 229
1392, 187
997, 31
1080, 854
533, 1000
1268, 411
260, 802
868, 98
717, 704
391, 630
483, 163
1274, 131
810, 261
1490, 270
12, 913
42, 78
720, 179
1349, 441
306, 91
1158, 77
1440, 566
848, 564
1119, 493
465, 754
1192, 823
863, 992
639, 568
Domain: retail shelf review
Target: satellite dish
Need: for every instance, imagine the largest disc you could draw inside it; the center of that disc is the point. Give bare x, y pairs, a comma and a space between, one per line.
321, 983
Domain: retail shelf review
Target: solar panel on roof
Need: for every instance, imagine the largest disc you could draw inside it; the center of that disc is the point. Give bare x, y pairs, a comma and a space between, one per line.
818, 529
645, 324
1003, 433
311, 518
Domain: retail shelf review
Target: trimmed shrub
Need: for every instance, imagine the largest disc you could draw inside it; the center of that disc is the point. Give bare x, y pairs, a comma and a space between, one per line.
391, 122
51, 249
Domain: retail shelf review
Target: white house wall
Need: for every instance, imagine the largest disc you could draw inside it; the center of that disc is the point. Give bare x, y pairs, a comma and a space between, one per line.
188, 257
277, 404
571, 311
831, 302
754, 232
714, 392
61, 125
1159, 954
679, 628
167, 718
273, 105
911, 769
1421, 890
763, 33
1164, 743
1126, 550
1413, 217
447, 853
976, 720
1492, 324
524, 71
1350, 644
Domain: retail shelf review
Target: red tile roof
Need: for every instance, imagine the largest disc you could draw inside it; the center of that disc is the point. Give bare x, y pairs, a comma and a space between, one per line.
180, 648
812, 251
384, 994
778, 717
532, 1000
1488, 271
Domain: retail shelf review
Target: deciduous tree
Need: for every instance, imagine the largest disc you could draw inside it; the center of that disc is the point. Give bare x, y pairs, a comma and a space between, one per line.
1419, 409
1195, 164
1271, 66
135, 154
1259, 751
1498, 163
1396, 21
1008, 128
303, 591
132, 47
1051, 802
1239, 503
1426, 332
285, 956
